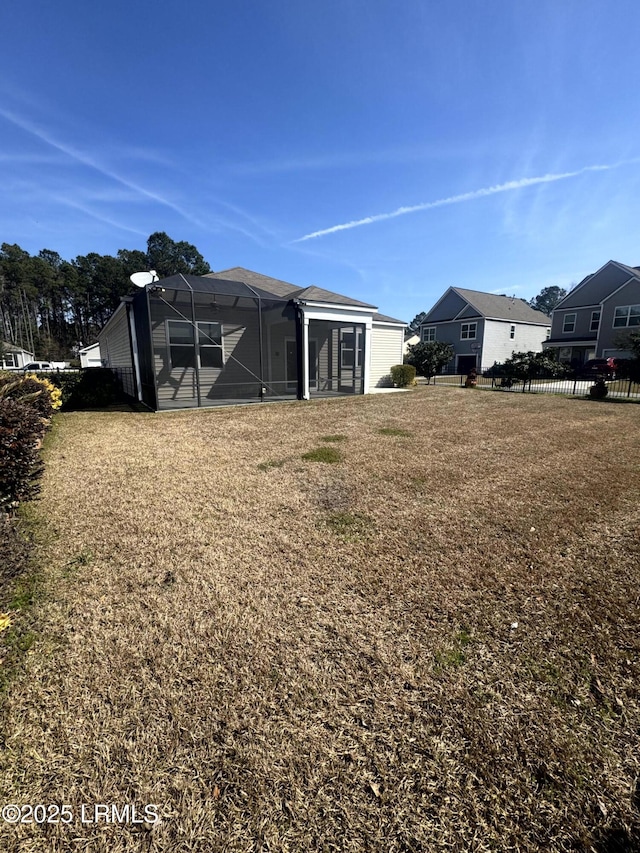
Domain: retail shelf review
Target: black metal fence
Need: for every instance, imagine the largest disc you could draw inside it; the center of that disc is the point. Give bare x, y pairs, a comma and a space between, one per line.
574, 385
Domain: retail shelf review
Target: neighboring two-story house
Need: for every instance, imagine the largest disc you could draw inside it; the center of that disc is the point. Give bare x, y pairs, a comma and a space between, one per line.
483, 328
591, 320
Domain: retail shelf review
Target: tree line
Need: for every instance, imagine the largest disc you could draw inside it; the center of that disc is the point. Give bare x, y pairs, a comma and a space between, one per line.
51, 306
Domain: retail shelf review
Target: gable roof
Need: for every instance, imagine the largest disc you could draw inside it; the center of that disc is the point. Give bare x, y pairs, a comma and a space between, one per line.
502, 307
285, 289
598, 286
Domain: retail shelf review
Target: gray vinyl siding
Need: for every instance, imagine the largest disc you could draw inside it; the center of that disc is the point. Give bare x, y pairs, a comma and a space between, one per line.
386, 351
115, 340
583, 322
608, 336
450, 305
597, 288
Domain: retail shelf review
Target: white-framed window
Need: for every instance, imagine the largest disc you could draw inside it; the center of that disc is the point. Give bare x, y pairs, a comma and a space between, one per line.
548, 333
594, 325
626, 315
181, 344
468, 331
350, 348
512, 332
210, 344
11, 359
428, 334
569, 323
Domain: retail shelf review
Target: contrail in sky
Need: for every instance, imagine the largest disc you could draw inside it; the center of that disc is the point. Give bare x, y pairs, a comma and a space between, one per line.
458, 199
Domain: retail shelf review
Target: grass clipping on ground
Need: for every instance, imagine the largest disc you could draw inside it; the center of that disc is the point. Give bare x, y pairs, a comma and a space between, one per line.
431, 643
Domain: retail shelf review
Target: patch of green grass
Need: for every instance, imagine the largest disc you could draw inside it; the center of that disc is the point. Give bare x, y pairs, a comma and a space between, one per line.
323, 454
350, 526
270, 463
454, 656
394, 431
333, 438
24, 593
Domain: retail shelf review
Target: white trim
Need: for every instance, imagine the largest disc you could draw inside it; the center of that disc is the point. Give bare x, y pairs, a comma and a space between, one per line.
433, 308
305, 357
468, 336
613, 292
572, 331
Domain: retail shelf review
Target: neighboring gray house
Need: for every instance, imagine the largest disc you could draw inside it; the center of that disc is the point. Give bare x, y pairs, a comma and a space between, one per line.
239, 336
483, 328
592, 319
12, 356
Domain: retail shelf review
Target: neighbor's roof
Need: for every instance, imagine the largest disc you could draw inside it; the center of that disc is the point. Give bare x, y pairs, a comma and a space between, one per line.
502, 307
285, 289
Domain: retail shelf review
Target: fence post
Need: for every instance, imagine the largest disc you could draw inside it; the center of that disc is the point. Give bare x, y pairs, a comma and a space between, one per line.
575, 382
629, 389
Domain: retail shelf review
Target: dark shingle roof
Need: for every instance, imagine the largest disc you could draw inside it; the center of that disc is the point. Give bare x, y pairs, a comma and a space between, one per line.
285, 289
502, 307
383, 318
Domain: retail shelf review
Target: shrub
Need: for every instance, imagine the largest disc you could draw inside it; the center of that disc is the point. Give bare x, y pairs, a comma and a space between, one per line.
403, 375
39, 393
90, 388
430, 357
21, 429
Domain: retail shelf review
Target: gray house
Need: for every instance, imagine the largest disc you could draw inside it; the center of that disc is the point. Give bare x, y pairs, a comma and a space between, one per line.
239, 336
483, 328
591, 320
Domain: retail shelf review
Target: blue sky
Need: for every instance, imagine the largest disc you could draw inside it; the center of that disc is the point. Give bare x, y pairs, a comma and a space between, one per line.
384, 150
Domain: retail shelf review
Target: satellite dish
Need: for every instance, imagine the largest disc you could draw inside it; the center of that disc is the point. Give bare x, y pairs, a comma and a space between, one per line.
141, 279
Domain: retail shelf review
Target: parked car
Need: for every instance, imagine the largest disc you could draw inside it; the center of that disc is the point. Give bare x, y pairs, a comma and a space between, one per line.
599, 368
37, 366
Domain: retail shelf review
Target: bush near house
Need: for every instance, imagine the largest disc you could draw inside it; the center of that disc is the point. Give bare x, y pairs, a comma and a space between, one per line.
91, 388
429, 358
403, 375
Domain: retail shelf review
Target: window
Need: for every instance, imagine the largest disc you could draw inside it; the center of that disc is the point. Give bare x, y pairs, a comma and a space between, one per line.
350, 349
428, 334
468, 331
569, 324
11, 359
548, 333
181, 346
210, 345
512, 332
595, 321
626, 315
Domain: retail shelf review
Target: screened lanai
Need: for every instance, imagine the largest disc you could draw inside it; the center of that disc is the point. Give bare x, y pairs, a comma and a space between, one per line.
210, 341
192, 341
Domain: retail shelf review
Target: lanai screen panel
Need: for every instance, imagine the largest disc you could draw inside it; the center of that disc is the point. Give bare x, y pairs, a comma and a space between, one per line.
219, 342
336, 357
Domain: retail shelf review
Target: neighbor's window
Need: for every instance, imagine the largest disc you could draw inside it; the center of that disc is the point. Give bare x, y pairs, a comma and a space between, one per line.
181, 347
428, 334
11, 359
512, 332
595, 321
468, 331
210, 345
350, 349
569, 324
626, 315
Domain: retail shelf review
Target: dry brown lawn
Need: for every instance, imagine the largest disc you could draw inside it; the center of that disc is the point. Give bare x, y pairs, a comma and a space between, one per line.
429, 644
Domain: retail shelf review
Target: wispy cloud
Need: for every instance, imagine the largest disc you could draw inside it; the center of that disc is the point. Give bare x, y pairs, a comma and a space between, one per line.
80, 157
509, 186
